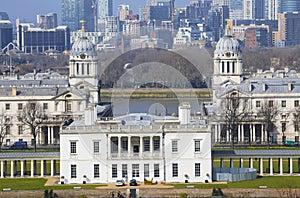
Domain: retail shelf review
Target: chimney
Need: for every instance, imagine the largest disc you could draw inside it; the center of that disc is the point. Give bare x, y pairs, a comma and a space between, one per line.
184, 113
290, 86
14, 91
250, 87
263, 86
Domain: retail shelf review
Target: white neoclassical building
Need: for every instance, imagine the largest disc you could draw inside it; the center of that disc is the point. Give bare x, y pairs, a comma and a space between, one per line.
271, 89
136, 146
63, 98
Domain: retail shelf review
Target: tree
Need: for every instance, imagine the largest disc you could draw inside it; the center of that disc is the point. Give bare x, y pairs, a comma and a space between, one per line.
268, 112
32, 115
2, 129
235, 111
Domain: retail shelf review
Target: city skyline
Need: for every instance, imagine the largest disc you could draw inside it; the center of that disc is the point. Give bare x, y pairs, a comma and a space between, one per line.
34, 7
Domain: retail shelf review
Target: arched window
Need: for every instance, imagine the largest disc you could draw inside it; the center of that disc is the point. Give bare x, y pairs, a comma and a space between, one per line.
77, 68
223, 67
82, 68
233, 67
228, 67
88, 69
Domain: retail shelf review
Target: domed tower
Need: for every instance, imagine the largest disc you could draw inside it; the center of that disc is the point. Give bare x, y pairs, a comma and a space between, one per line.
228, 64
83, 63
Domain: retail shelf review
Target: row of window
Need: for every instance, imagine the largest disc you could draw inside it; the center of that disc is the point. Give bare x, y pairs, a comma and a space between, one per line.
8, 129
135, 170
156, 146
283, 103
20, 106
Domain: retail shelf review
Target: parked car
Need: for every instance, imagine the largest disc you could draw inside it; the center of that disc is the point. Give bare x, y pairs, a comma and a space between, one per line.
133, 182
120, 182
19, 145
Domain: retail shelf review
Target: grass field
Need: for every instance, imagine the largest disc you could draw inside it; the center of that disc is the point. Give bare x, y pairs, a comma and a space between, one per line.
269, 181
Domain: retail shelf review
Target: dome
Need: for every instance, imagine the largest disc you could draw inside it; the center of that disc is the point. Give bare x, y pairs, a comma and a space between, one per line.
228, 43
82, 45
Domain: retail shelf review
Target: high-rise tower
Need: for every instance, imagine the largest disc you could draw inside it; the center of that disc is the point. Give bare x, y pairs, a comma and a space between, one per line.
289, 6
75, 10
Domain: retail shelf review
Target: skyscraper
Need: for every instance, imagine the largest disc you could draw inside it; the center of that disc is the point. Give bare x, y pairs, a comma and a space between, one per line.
289, 6
47, 21
272, 9
105, 8
73, 11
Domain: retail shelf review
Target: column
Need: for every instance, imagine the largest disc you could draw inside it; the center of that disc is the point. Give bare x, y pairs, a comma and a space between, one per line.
271, 166
298, 165
280, 166
231, 163
52, 168
22, 168
151, 145
216, 132
141, 146
254, 133
241, 163
2, 170
291, 165
261, 166
108, 145
262, 133
242, 133
12, 171
49, 135
228, 136
239, 134
32, 168
129, 146
222, 163
251, 162
42, 168
251, 133
119, 146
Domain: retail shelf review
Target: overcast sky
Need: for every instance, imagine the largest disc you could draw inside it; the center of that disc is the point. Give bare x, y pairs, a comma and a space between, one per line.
27, 10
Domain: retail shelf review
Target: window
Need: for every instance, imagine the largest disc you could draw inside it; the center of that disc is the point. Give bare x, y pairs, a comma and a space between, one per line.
146, 145
73, 147
175, 170
114, 146
283, 103
20, 130
96, 147
197, 145
296, 125
156, 170
296, 103
114, 171
69, 106
7, 142
124, 171
77, 68
257, 103
223, 67
88, 69
271, 103
73, 171
146, 170
135, 170
82, 68
283, 127
197, 170
174, 146
156, 143
96, 170
45, 106
20, 106
7, 107
7, 130
124, 145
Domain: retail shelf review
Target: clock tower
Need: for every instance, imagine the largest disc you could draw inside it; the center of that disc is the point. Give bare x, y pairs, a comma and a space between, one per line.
228, 65
83, 66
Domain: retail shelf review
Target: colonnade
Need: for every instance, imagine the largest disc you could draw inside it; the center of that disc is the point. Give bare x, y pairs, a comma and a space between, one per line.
18, 168
271, 161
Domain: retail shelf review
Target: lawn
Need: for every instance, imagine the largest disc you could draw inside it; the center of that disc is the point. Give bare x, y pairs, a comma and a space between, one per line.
38, 184
269, 181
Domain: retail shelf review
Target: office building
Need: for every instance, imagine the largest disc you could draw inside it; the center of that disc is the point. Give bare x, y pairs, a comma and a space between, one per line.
217, 20
74, 11
236, 9
4, 16
256, 37
220, 2
37, 40
47, 21
124, 11
105, 8
272, 9
6, 33
289, 6
249, 9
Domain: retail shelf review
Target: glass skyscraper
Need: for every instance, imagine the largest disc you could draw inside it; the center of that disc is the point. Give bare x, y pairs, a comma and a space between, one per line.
73, 11
290, 6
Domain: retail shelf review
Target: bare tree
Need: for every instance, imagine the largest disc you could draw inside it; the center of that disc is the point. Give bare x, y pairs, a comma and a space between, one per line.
268, 112
235, 111
32, 116
2, 129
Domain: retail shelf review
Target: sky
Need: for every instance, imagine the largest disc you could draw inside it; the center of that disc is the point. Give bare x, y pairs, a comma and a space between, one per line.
27, 10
